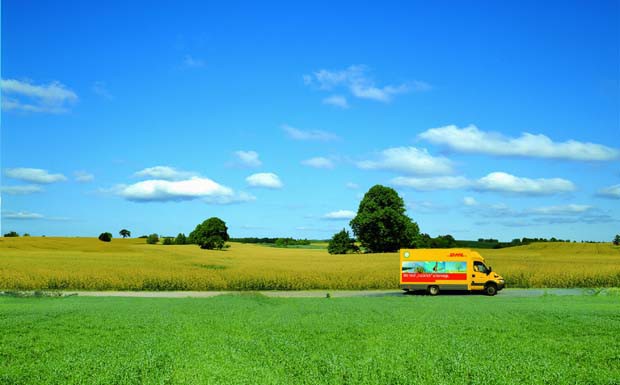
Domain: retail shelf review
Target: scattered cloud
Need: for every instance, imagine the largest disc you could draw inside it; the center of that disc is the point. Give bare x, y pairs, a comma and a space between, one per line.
433, 183
83, 176
34, 175
21, 190
504, 182
297, 134
470, 201
24, 216
612, 192
21, 215
318, 162
264, 179
352, 186
495, 181
337, 101
248, 158
101, 89
192, 62
560, 210
409, 160
340, 215
472, 140
357, 81
165, 173
25, 96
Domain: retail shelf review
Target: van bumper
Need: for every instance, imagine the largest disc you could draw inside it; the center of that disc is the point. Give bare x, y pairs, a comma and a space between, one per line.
501, 284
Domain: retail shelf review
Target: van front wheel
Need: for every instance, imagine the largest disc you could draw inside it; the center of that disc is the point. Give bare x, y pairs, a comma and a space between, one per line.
490, 289
433, 290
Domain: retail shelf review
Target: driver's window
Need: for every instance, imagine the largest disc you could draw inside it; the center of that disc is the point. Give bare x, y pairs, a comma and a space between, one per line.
480, 267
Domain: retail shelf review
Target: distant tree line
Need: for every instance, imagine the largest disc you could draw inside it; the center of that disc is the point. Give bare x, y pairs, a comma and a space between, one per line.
280, 242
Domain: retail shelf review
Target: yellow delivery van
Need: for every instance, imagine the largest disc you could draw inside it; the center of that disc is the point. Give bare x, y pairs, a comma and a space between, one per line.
435, 270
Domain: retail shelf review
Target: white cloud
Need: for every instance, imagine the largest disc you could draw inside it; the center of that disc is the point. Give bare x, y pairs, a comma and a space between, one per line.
192, 62
297, 134
101, 89
24, 215
21, 190
472, 140
54, 97
164, 172
264, 179
352, 186
248, 158
504, 182
83, 176
340, 215
337, 101
559, 210
496, 181
612, 192
318, 162
470, 201
356, 80
21, 215
409, 160
166, 190
434, 183
34, 175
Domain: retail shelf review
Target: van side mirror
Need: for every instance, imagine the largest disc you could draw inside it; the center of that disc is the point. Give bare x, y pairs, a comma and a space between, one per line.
490, 270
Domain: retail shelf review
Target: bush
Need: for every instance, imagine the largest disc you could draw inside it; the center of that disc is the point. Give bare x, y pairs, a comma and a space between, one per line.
168, 241
210, 234
11, 234
152, 239
105, 237
342, 243
181, 239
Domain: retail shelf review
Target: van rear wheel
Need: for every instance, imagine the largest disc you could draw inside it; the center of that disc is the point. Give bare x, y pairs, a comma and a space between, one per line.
490, 289
433, 290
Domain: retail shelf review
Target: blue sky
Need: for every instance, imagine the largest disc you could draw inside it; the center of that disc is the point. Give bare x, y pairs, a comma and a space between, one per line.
491, 120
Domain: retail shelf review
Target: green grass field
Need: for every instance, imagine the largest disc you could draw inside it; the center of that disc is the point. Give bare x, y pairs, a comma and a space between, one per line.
256, 340
34, 263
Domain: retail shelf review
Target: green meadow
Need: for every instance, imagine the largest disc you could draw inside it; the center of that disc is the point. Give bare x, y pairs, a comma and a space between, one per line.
250, 339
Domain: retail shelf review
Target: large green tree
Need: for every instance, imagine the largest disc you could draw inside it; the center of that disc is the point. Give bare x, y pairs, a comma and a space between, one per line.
125, 233
210, 234
617, 240
381, 224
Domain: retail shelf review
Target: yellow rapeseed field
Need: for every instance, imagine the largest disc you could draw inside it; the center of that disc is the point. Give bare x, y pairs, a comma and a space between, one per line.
34, 263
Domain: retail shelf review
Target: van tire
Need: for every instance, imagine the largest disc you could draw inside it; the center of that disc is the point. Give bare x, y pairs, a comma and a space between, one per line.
433, 290
490, 289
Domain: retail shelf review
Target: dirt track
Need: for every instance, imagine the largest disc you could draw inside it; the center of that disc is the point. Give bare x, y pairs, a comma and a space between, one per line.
318, 293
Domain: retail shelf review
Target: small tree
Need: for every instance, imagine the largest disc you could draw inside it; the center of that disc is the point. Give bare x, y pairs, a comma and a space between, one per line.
105, 237
11, 234
210, 234
152, 239
125, 233
617, 240
181, 239
342, 243
168, 241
